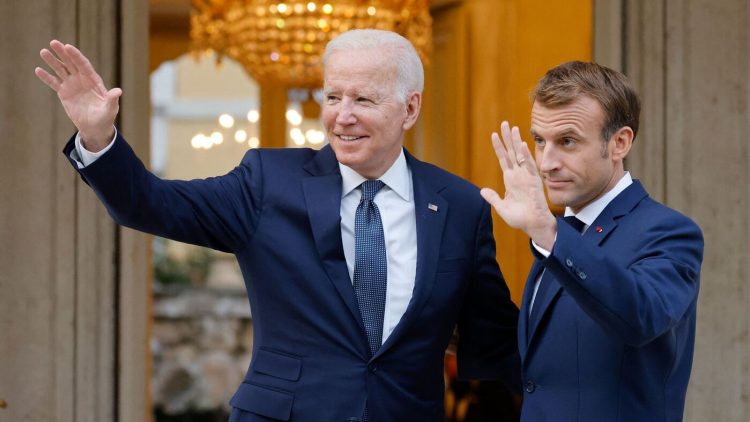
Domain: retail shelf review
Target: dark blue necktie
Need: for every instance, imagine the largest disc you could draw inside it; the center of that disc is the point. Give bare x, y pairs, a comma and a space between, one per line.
578, 225
575, 222
370, 265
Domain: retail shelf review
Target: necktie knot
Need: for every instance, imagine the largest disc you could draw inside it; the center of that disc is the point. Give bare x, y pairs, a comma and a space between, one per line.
370, 188
575, 223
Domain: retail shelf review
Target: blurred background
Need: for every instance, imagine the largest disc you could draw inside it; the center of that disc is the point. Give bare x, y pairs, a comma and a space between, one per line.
101, 323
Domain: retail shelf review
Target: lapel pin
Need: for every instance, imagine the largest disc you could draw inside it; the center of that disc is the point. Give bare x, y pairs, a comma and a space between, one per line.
432, 207
599, 229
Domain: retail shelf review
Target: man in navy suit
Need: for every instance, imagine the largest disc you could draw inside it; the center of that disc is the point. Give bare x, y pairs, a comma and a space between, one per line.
359, 260
607, 322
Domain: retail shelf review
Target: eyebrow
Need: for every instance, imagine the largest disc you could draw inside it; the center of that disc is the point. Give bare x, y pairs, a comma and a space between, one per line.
564, 133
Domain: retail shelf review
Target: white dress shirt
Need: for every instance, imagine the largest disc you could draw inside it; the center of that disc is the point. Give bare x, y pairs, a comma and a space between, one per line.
587, 215
86, 157
396, 204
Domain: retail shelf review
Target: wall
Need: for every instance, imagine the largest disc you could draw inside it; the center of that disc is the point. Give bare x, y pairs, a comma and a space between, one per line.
66, 269
689, 61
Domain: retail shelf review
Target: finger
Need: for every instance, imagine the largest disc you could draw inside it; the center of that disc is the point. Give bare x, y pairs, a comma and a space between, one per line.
502, 155
530, 163
59, 50
54, 63
492, 197
508, 141
83, 65
48, 79
518, 147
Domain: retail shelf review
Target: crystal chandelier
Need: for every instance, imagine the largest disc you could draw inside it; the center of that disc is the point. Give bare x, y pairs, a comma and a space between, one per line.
282, 42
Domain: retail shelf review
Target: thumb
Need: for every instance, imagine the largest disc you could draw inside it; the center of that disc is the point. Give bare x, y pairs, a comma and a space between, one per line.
492, 197
113, 96
113, 101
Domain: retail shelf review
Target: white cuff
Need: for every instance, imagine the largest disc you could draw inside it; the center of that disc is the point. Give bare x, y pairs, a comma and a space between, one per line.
84, 157
541, 250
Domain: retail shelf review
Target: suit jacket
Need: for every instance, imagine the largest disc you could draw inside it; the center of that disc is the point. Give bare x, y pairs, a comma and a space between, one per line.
279, 213
612, 338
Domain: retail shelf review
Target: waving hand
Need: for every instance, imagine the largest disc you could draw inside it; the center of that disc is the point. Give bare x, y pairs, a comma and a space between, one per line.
89, 105
524, 205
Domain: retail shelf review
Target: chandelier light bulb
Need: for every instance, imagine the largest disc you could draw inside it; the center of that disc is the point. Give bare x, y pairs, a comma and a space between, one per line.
197, 141
253, 142
240, 136
315, 137
293, 117
226, 121
298, 138
253, 116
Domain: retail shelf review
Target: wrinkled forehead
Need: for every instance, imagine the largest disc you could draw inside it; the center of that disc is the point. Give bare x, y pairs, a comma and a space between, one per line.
577, 116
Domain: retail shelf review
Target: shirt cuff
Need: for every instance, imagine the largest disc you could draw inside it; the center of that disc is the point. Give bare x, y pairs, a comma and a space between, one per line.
541, 250
84, 157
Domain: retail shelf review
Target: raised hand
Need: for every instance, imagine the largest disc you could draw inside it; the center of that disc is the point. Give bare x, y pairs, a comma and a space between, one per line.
524, 205
89, 105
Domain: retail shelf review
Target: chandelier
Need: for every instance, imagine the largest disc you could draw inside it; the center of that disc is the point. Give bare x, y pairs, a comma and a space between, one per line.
282, 42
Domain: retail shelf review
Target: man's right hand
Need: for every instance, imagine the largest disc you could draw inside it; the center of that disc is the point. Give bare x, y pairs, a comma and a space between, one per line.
88, 103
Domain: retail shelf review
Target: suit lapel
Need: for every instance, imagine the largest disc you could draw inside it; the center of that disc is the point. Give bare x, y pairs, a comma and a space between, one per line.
523, 319
544, 297
431, 211
323, 202
607, 221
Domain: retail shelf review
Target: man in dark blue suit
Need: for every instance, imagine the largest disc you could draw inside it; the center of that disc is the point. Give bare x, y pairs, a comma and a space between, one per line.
607, 323
359, 260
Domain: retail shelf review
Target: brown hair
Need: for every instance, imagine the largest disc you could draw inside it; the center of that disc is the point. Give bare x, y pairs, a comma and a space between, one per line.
562, 84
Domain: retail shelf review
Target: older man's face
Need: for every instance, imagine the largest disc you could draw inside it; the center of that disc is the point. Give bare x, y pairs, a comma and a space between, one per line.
364, 119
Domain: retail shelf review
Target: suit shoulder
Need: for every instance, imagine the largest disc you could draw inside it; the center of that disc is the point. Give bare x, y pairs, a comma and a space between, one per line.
439, 176
286, 156
661, 215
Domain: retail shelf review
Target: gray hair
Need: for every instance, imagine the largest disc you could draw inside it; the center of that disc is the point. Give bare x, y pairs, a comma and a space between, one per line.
408, 66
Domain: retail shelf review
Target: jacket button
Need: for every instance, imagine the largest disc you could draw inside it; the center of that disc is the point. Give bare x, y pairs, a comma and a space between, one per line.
568, 262
372, 368
582, 275
530, 387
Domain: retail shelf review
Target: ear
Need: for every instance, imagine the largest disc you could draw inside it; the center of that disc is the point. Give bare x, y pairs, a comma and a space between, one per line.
621, 142
413, 105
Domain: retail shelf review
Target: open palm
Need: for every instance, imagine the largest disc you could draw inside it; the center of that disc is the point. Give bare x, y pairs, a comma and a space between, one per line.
524, 205
87, 102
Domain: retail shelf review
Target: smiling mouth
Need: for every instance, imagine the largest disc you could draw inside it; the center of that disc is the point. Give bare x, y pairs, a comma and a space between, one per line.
349, 138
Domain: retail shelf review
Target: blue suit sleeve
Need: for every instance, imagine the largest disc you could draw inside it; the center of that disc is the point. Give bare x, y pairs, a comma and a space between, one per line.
636, 290
487, 329
218, 212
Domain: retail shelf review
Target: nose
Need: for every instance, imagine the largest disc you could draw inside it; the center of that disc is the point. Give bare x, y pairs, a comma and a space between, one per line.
345, 115
547, 159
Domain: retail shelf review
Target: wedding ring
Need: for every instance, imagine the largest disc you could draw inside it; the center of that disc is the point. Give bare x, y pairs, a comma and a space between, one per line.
520, 160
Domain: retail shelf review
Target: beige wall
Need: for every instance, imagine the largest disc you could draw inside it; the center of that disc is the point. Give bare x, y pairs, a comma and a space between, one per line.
690, 61
66, 269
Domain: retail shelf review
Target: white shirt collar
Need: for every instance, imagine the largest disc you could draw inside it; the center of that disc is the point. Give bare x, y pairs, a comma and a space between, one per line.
397, 178
590, 212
